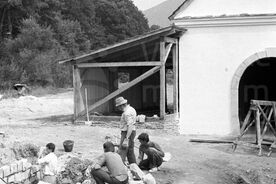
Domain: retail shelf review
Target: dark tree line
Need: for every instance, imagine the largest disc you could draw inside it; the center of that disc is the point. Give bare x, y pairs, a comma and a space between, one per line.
35, 34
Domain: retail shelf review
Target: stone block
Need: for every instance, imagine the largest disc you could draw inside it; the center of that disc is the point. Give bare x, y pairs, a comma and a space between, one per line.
270, 52
39, 175
35, 169
27, 173
11, 179
19, 178
7, 170
20, 165
1, 173
3, 182
22, 176
26, 165
13, 168
262, 55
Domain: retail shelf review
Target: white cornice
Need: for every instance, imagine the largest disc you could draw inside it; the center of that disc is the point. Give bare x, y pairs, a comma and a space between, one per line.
227, 21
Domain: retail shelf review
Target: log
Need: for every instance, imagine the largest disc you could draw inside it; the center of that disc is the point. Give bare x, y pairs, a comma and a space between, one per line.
211, 141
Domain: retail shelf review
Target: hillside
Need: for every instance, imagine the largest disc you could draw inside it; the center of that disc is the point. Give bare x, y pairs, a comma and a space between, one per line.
159, 14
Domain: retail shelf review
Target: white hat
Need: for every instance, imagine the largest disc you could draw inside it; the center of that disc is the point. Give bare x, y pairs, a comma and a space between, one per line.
120, 101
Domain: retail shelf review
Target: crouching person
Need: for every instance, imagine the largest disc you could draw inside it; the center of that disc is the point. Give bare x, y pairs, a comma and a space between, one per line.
49, 164
152, 150
117, 171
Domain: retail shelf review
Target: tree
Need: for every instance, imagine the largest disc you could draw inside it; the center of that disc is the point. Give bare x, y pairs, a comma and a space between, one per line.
121, 19
71, 37
35, 51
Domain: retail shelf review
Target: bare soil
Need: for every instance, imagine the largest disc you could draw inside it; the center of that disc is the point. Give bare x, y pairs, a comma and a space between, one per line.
39, 120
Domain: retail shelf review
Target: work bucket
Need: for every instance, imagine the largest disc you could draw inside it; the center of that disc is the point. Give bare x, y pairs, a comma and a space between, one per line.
68, 145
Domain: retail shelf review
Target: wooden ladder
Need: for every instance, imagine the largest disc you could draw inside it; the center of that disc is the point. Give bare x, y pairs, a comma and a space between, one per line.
260, 113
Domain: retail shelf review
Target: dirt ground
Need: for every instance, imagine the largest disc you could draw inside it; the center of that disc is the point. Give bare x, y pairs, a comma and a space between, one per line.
40, 120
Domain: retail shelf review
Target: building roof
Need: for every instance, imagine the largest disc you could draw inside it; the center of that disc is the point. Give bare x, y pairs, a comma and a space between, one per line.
172, 31
196, 9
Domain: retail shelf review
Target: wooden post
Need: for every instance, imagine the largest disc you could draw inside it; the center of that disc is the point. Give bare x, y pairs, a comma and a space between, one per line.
258, 129
77, 91
175, 78
162, 80
274, 113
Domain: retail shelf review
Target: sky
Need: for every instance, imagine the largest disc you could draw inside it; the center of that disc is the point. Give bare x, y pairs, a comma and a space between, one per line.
146, 4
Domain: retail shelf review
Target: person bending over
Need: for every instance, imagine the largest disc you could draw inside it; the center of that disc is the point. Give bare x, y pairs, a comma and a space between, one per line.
49, 164
117, 171
152, 150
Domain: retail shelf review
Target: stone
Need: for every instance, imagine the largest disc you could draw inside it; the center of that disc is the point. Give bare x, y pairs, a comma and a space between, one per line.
7, 170
14, 167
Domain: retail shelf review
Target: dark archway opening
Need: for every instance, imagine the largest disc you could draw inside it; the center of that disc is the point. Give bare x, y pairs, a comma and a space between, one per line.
258, 82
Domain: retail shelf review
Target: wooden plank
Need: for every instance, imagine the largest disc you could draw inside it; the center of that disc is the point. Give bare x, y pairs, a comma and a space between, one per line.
246, 120
75, 92
263, 102
122, 89
162, 80
274, 113
258, 129
247, 128
167, 51
268, 121
145, 53
175, 78
170, 40
119, 64
210, 141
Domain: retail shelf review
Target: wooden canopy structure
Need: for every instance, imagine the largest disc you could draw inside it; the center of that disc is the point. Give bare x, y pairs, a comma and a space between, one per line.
141, 57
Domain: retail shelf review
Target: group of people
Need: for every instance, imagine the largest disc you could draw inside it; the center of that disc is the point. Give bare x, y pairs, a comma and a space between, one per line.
114, 161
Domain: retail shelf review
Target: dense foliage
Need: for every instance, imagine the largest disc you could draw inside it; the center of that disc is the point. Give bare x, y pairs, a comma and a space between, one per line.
35, 34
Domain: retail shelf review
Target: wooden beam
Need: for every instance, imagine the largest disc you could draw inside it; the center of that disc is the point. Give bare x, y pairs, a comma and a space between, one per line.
75, 90
263, 102
122, 89
175, 78
162, 80
170, 40
167, 51
120, 64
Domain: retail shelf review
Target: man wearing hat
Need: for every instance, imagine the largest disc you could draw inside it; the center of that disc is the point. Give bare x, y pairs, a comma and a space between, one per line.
128, 130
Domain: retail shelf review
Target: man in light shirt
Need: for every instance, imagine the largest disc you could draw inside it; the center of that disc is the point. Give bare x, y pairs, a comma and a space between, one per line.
49, 164
128, 130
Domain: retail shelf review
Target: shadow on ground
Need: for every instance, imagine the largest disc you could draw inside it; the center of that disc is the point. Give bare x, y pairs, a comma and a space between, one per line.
56, 119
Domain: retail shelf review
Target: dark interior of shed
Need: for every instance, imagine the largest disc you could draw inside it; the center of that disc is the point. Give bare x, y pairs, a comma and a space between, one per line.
144, 96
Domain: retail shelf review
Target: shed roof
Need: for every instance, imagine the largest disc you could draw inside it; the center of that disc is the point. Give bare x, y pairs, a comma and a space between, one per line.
171, 31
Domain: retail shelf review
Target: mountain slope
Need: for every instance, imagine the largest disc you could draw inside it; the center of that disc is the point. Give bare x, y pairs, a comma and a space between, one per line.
159, 14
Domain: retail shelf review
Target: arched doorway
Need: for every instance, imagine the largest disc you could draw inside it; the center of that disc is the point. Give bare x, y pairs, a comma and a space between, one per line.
254, 79
258, 83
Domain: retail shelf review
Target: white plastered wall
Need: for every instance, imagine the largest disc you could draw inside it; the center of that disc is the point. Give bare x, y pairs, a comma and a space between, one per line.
209, 59
199, 8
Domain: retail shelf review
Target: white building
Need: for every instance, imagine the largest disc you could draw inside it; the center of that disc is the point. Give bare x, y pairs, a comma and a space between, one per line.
226, 57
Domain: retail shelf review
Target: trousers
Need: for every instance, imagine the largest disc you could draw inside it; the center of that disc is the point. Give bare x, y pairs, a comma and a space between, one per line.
129, 151
154, 160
